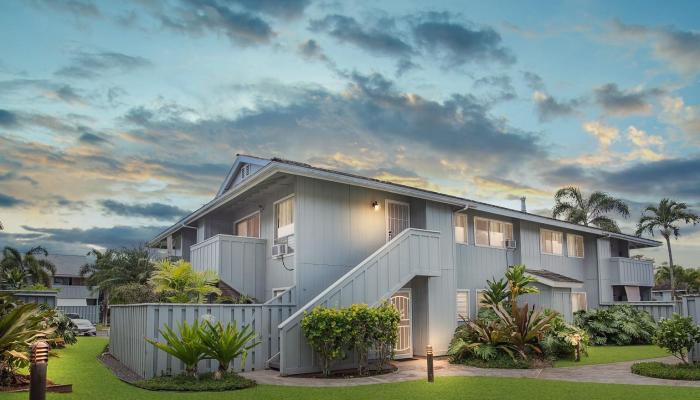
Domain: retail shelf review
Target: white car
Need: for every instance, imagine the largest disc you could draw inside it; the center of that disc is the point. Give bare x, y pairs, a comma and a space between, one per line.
83, 327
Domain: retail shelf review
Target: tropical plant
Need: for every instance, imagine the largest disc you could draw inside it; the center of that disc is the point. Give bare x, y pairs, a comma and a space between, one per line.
496, 292
13, 278
481, 339
519, 283
20, 326
665, 217
134, 293
564, 339
678, 335
63, 333
186, 345
226, 343
685, 278
36, 270
573, 206
180, 283
113, 268
619, 324
526, 327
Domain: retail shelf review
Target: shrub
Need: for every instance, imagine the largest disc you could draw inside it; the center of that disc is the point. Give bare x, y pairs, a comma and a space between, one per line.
362, 323
386, 332
328, 333
618, 324
564, 340
678, 335
180, 283
134, 293
480, 339
63, 333
660, 370
526, 328
225, 344
186, 347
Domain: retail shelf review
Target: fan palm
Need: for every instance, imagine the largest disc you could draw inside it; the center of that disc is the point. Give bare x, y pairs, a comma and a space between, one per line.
37, 270
573, 206
665, 218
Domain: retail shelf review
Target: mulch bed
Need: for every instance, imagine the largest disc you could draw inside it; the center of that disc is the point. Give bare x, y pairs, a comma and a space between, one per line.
349, 373
118, 369
24, 387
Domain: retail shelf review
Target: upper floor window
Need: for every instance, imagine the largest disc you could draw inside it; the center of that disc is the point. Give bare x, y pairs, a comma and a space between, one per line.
460, 228
574, 245
248, 226
284, 217
493, 233
551, 242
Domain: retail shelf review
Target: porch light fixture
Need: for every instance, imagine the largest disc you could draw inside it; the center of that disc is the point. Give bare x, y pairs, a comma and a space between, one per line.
375, 205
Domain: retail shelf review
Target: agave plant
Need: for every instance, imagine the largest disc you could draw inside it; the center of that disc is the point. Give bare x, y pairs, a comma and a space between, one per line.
20, 326
526, 327
226, 343
186, 347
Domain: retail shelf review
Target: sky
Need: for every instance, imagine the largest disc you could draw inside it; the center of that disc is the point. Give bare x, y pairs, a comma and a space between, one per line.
117, 118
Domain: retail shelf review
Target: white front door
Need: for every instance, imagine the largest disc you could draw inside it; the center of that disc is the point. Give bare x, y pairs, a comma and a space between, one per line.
404, 344
398, 218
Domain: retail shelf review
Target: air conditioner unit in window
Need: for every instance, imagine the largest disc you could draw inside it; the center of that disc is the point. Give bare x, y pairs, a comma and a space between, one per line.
511, 244
279, 250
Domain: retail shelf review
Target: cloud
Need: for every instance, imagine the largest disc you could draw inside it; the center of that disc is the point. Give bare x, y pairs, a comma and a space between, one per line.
47, 89
603, 133
311, 50
685, 117
151, 210
679, 49
13, 176
7, 118
92, 139
492, 186
376, 40
280, 9
8, 201
502, 83
549, 108
81, 8
88, 65
112, 237
625, 102
533, 81
460, 43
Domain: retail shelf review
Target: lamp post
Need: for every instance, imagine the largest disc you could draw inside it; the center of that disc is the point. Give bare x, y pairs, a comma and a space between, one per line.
39, 359
429, 359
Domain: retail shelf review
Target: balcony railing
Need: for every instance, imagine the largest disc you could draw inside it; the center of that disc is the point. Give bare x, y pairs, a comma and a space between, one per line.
239, 261
632, 272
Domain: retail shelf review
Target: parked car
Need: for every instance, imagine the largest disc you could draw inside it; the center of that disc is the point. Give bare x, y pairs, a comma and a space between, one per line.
83, 327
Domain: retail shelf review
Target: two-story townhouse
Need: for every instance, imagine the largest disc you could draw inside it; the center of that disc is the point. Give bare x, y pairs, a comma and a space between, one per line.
73, 295
325, 237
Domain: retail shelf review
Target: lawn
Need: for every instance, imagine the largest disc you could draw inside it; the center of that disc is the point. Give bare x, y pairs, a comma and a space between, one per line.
91, 380
611, 354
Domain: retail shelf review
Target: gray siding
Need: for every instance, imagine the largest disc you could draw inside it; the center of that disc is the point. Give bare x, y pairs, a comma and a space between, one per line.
239, 261
132, 323
91, 313
691, 308
605, 274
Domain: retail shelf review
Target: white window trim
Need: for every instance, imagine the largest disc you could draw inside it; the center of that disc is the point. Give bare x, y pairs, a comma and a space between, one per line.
469, 311
489, 221
568, 250
466, 227
542, 230
585, 303
235, 223
386, 215
274, 217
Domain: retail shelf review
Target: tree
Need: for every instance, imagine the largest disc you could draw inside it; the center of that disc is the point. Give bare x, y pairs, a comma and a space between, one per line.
665, 218
34, 270
181, 283
571, 204
113, 268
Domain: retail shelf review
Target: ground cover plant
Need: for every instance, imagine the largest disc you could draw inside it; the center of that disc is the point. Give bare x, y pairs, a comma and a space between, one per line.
203, 383
619, 324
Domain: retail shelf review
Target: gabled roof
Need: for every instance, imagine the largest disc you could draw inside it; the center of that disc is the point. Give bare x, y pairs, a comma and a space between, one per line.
280, 165
552, 279
237, 164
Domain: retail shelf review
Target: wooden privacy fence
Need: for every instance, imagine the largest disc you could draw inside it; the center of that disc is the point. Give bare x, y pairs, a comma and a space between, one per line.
658, 309
130, 324
691, 308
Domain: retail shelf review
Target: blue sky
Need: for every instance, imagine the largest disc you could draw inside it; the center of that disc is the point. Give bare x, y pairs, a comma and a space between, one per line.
117, 117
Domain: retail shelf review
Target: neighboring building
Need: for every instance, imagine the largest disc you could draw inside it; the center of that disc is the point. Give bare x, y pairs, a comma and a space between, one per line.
334, 238
663, 292
72, 291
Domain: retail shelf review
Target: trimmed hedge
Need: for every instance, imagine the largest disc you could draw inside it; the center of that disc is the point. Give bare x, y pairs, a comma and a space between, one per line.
204, 383
655, 369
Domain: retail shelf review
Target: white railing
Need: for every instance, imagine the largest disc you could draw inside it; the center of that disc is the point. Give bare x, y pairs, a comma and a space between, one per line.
630, 271
414, 252
239, 261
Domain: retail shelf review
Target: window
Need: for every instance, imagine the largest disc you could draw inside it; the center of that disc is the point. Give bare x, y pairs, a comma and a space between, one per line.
248, 226
61, 280
574, 245
460, 228
578, 301
462, 304
284, 217
551, 242
480, 299
492, 233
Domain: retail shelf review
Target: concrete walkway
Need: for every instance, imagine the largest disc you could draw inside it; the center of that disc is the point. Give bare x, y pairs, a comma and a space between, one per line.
416, 370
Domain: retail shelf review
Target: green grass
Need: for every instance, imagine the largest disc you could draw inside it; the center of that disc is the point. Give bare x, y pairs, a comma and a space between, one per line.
611, 354
91, 380
682, 372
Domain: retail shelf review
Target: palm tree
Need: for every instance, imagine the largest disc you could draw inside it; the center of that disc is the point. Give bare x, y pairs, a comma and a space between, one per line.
181, 283
665, 218
36, 270
592, 210
113, 268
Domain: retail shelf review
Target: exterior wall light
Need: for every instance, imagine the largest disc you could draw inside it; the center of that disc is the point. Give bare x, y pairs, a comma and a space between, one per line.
375, 205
